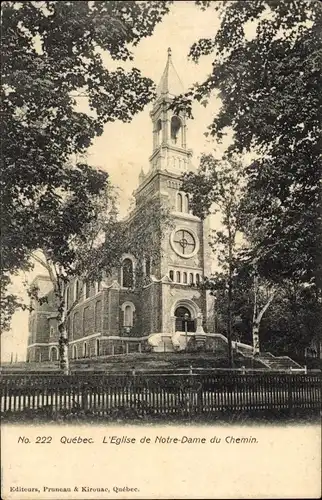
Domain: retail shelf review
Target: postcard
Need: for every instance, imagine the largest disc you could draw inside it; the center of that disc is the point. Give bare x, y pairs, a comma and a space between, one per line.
160, 294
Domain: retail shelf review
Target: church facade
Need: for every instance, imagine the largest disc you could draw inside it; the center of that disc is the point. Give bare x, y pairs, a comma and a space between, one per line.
112, 317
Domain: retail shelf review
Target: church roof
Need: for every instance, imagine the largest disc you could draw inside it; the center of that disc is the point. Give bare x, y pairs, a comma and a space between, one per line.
170, 82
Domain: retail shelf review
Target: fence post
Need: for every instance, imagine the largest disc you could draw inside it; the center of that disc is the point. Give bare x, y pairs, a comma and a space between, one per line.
290, 396
85, 396
134, 401
200, 398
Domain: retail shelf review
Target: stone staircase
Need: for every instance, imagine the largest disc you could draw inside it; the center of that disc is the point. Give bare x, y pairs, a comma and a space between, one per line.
167, 344
278, 362
268, 359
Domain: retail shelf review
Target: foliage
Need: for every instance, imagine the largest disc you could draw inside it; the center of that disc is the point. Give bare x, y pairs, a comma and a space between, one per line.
51, 59
267, 68
82, 253
217, 187
9, 302
294, 322
288, 327
95, 252
142, 235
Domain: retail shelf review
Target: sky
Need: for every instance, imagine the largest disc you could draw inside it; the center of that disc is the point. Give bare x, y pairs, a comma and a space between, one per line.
123, 149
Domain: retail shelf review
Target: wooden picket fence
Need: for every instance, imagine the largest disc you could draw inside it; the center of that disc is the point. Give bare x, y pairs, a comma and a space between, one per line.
160, 394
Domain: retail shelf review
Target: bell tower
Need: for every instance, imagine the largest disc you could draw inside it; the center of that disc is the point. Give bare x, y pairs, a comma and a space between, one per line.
173, 291
169, 129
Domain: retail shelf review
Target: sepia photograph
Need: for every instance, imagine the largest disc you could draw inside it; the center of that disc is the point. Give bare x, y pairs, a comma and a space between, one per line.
160, 228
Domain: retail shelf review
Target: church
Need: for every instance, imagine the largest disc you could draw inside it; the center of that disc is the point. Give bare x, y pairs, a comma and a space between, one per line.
168, 312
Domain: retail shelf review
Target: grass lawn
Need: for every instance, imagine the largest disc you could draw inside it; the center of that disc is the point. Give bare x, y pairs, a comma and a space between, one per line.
143, 361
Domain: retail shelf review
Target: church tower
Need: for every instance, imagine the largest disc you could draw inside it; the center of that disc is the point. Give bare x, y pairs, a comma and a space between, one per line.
185, 256
169, 130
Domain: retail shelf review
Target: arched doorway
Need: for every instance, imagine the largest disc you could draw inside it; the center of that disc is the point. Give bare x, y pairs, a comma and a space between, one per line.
183, 317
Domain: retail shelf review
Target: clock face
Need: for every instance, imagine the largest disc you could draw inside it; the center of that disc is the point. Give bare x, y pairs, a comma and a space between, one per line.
184, 243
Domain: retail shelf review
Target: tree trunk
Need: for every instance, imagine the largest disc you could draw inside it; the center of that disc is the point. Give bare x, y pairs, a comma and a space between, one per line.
231, 240
229, 329
255, 326
257, 317
255, 336
63, 348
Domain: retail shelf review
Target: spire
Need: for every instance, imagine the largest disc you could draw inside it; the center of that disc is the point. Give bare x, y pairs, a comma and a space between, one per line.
170, 82
141, 176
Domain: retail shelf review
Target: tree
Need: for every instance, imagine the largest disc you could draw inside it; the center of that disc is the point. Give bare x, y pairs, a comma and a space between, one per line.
289, 327
83, 254
216, 188
269, 80
94, 252
251, 298
259, 309
62, 217
51, 58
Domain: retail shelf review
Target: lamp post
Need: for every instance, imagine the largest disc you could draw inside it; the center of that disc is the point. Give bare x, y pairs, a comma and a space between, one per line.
186, 317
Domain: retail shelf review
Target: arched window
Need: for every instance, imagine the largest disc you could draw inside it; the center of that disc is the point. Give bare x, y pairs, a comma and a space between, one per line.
97, 347
76, 290
191, 279
197, 279
68, 327
171, 275
128, 309
158, 132
98, 316
88, 319
184, 278
75, 355
86, 290
127, 273
186, 203
128, 318
178, 275
176, 130
53, 353
179, 202
75, 324
85, 350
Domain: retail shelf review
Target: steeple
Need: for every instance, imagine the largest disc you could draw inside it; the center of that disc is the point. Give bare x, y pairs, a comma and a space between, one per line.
170, 83
170, 151
141, 176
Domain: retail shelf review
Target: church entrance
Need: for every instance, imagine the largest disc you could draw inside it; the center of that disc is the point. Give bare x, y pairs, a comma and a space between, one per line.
183, 316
